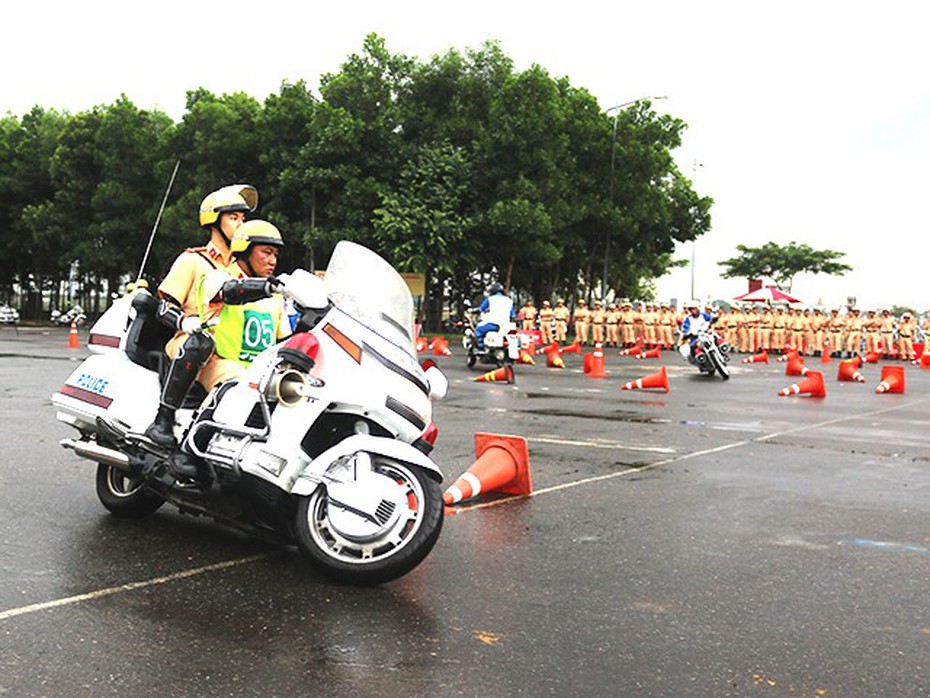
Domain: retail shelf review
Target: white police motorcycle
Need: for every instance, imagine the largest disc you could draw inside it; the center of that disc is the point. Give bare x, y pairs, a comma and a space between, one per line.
709, 353
323, 442
501, 347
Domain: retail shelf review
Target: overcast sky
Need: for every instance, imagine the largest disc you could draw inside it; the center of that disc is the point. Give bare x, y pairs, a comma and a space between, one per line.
808, 121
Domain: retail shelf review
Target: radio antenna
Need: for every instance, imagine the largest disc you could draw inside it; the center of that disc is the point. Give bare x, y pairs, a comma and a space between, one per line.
157, 220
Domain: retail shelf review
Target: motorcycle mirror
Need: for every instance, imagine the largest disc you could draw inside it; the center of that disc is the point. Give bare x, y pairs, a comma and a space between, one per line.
438, 383
307, 290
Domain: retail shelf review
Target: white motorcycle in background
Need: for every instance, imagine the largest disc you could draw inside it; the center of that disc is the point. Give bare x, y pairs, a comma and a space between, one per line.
501, 346
63, 319
710, 354
323, 442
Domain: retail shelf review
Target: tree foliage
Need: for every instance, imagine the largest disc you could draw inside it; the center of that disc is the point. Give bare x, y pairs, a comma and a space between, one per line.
781, 263
460, 167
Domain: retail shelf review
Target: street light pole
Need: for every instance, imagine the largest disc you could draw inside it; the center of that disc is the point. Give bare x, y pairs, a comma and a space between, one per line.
694, 165
613, 160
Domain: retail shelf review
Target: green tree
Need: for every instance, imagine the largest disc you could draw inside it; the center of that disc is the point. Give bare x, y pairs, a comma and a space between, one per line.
218, 143
781, 263
421, 226
27, 253
105, 170
285, 124
357, 149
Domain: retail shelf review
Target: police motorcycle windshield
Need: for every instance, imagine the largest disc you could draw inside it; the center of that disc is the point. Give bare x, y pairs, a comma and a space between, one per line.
363, 285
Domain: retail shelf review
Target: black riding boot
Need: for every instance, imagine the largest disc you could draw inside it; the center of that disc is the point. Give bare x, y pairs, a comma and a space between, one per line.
181, 374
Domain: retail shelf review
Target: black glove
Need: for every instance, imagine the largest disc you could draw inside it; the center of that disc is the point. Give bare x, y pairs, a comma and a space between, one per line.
242, 291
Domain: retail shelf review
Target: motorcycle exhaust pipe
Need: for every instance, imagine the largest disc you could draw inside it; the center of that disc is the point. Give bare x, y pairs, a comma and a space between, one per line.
288, 387
98, 453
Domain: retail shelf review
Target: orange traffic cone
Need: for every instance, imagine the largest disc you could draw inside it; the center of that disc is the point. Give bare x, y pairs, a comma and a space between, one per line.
651, 354
812, 384
554, 358
892, 380
825, 354
760, 358
440, 347
872, 357
573, 348
788, 355
502, 465
504, 373
653, 380
635, 350
526, 357
73, 341
422, 344
849, 372
925, 360
796, 367
596, 363
549, 347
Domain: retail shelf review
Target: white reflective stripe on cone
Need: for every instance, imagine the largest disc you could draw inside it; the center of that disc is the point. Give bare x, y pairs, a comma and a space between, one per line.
473, 481
455, 493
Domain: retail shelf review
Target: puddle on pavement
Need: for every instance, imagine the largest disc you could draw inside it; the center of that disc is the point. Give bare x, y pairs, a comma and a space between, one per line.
629, 417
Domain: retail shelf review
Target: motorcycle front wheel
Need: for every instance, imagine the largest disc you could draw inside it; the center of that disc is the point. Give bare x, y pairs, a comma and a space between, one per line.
351, 547
717, 362
123, 495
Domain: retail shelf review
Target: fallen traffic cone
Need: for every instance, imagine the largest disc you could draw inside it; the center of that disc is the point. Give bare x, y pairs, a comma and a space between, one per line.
573, 348
761, 358
872, 357
796, 367
421, 344
653, 380
526, 357
651, 354
812, 384
73, 341
549, 347
596, 364
849, 372
788, 355
554, 358
502, 465
441, 347
635, 350
856, 361
892, 380
504, 373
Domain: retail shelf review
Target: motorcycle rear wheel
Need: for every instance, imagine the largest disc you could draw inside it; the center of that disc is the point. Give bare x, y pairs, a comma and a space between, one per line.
123, 495
394, 551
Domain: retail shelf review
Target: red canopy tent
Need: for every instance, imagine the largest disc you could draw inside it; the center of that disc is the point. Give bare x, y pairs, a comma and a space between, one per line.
770, 294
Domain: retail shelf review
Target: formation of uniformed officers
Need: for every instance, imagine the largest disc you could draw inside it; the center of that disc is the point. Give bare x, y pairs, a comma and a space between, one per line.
747, 329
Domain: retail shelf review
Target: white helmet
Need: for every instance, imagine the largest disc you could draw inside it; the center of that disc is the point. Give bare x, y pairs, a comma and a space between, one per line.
692, 304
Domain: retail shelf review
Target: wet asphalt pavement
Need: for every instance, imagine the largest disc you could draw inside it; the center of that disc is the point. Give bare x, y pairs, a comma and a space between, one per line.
716, 540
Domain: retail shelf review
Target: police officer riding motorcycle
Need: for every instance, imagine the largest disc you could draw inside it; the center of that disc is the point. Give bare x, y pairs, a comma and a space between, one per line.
701, 346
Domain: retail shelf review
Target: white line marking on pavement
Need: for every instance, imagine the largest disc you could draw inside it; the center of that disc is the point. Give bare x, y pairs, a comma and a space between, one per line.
633, 470
599, 444
131, 586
